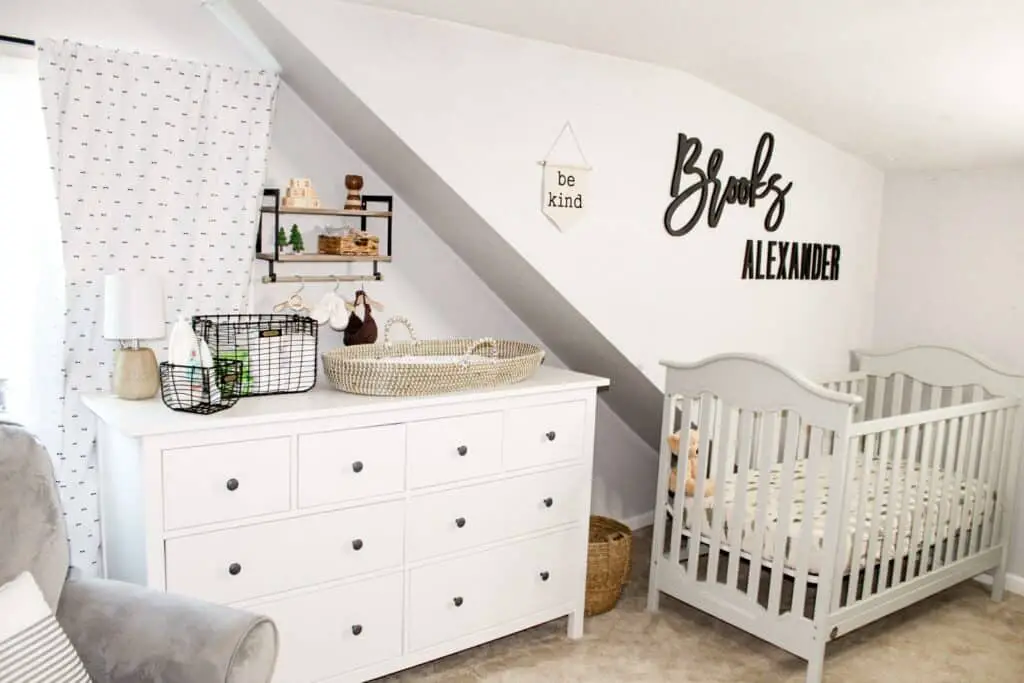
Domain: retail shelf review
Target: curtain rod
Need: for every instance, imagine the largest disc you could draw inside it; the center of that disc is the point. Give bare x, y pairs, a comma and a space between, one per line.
16, 40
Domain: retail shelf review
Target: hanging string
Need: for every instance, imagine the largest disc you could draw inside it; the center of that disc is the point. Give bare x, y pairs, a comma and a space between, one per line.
567, 126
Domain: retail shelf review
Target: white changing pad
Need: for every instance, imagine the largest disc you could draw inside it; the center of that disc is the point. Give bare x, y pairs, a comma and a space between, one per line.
941, 499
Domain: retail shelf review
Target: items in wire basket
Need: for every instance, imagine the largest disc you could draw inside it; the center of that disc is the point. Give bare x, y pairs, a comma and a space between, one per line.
277, 353
434, 366
201, 390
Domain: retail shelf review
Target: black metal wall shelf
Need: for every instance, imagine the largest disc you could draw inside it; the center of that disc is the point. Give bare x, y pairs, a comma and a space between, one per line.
363, 214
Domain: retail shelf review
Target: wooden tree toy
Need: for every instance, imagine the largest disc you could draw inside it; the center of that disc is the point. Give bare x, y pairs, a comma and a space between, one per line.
295, 239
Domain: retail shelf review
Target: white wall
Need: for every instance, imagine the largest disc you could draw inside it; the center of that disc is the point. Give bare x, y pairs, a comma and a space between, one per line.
950, 269
481, 109
427, 282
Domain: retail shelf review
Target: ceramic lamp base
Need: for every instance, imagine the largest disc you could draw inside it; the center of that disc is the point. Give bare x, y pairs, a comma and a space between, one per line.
136, 375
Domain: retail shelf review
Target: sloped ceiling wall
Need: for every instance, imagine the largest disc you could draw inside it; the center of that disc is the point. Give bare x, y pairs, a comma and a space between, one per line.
569, 335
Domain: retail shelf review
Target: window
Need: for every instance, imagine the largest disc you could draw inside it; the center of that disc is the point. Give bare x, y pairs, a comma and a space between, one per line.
31, 276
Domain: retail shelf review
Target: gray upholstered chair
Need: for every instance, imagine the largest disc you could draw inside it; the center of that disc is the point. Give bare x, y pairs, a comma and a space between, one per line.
124, 633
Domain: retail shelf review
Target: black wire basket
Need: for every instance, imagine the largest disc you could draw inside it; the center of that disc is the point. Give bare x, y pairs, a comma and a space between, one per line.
278, 352
203, 391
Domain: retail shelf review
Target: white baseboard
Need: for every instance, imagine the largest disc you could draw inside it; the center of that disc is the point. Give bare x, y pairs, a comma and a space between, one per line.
640, 521
1014, 582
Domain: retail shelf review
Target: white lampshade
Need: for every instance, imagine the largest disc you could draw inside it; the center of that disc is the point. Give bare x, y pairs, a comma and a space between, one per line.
133, 306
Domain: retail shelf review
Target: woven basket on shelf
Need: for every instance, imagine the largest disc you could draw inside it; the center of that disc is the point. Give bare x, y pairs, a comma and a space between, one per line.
351, 244
432, 366
609, 561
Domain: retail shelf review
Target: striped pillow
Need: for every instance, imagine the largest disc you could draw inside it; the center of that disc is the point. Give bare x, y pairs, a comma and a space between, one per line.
33, 646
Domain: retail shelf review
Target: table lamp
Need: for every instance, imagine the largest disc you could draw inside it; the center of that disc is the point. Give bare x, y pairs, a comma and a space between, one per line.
133, 309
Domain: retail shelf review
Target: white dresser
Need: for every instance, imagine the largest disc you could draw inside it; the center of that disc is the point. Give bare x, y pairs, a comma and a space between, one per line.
378, 533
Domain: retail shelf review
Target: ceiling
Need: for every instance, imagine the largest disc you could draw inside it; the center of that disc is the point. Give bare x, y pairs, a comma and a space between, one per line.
903, 83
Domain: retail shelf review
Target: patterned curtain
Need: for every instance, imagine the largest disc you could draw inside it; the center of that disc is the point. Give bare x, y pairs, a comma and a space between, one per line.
159, 167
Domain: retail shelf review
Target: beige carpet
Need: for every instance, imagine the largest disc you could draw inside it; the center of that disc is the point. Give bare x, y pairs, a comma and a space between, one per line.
959, 636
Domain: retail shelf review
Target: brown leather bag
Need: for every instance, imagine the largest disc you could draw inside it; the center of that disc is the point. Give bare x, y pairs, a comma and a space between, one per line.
360, 331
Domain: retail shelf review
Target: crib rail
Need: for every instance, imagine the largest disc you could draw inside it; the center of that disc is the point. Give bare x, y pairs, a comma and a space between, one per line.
899, 393
925, 490
815, 508
770, 445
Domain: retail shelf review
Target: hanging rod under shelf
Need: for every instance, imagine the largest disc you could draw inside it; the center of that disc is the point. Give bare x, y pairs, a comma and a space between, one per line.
321, 278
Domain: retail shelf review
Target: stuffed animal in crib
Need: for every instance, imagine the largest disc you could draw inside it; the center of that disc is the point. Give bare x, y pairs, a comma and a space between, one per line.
692, 465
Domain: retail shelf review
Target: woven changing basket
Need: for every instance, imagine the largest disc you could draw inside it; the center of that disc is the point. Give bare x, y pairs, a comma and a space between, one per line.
609, 561
429, 366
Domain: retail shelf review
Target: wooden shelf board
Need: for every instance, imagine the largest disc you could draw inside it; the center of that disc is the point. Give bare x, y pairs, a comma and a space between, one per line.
328, 212
324, 258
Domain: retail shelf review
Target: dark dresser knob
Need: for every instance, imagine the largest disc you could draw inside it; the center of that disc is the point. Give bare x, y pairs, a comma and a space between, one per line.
357, 544
458, 601
234, 569
460, 522
357, 629
462, 450
232, 484
357, 466
551, 436
544, 576
548, 502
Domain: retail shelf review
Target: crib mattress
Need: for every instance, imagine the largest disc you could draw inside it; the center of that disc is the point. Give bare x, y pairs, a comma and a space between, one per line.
945, 505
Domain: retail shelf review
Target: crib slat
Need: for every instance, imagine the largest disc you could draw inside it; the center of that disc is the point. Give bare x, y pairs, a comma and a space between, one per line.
946, 482
993, 479
959, 395
723, 459
978, 488
906, 516
878, 400
679, 499
706, 420
896, 384
794, 443
890, 545
1002, 489
738, 523
933, 531
917, 538
813, 466
862, 465
955, 534
916, 391
767, 454
876, 514
661, 496
970, 470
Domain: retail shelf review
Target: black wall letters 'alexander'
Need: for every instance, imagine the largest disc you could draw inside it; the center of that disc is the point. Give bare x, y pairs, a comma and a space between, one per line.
706, 191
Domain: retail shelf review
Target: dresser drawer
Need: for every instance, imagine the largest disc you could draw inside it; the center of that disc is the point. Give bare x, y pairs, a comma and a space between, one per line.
458, 597
541, 435
350, 464
330, 632
453, 448
221, 482
458, 519
251, 561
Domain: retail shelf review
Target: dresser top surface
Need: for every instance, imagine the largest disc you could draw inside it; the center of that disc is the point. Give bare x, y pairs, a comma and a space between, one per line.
151, 417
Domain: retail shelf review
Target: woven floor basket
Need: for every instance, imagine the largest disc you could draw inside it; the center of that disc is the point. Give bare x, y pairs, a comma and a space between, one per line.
609, 561
429, 366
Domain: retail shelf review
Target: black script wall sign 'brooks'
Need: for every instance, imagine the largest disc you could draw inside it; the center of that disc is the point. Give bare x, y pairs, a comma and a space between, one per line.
707, 191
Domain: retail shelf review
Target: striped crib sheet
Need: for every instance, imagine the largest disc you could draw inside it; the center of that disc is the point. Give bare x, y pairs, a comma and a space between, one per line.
946, 505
